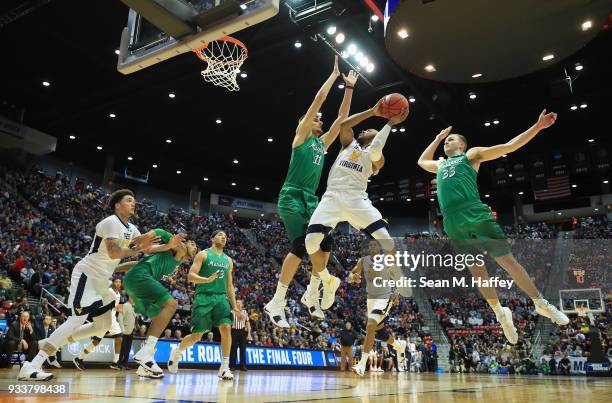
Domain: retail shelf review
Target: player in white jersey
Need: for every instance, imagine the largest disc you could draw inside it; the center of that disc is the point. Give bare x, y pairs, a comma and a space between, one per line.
346, 198
90, 297
379, 303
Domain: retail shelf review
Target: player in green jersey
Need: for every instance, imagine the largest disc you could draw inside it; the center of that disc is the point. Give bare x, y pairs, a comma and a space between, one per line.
469, 223
150, 297
297, 200
211, 272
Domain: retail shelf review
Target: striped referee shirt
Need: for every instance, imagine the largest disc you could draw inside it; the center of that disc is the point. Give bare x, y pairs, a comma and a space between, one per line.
240, 324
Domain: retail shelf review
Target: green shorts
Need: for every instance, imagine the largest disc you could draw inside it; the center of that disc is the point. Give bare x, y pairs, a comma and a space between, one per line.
208, 311
148, 294
472, 229
295, 207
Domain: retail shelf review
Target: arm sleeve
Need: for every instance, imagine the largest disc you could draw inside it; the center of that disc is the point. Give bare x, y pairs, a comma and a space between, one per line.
163, 235
379, 143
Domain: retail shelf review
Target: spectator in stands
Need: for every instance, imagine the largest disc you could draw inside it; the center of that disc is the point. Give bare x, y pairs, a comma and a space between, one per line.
178, 335
21, 337
347, 340
564, 365
44, 328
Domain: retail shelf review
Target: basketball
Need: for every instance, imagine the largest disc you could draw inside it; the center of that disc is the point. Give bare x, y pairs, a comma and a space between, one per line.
393, 105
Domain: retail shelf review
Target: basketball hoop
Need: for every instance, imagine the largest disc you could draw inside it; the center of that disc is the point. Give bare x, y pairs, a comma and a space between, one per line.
224, 57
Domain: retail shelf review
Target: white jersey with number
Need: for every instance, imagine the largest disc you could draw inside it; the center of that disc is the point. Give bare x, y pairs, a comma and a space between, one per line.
351, 169
97, 264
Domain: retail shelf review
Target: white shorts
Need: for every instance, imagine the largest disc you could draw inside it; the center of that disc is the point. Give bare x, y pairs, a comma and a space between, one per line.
335, 207
378, 309
88, 295
115, 328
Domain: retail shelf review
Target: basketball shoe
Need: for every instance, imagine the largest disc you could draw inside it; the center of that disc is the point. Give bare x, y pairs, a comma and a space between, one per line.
545, 308
314, 309
505, 320
276, 312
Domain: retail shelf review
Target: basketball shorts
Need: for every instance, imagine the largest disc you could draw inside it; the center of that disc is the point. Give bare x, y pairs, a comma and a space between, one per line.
89, 296
148, 294
335, 207
472, 229
208, 311
115, 329
295, 207
378, 309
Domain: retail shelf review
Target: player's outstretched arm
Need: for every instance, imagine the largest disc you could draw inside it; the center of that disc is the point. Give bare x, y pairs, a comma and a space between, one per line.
349, 83
116, 250
426, 160
193, 275
346, 127
379, 141
303, 130
481, 154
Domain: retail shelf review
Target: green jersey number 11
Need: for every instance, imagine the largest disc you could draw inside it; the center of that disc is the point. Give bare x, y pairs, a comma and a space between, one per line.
317, 159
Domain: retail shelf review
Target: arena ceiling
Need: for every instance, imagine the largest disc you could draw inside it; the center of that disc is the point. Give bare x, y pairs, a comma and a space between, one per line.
71, 44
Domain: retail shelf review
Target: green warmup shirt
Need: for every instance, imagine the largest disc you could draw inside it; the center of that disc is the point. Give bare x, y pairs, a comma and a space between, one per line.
306, 165
213, 263
456, 183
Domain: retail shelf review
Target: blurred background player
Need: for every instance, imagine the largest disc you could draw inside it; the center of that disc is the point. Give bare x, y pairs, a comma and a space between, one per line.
142, 283
89, 296
211, 272
346, 199
297, 199
469, 223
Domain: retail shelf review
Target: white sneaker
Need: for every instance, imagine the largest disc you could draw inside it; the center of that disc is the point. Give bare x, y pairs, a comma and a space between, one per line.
53, 362
550, 311
29, 372
313, 306
276, 313
508, 325
329, 292
173, 362
225, 374
379, 370
145, 357
359, 370
142, 371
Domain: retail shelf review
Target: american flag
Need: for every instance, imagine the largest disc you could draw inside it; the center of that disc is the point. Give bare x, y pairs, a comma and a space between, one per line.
556, 188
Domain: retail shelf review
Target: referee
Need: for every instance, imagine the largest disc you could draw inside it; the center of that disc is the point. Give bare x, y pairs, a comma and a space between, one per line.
241, 331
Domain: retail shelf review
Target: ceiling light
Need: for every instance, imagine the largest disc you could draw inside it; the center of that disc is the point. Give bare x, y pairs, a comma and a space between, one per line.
472, 95
179, 172
403, 33
394, 130
374, 18
256, 187
171, 95
341, 86
476, 75
574, 186
168, 141
583, 106
99, 147
235, 161
112, 115
72, 137
574, 107
370, 68
521, 193
233, 183
487, 196
46, 83
487, 124
411, 99
235, 211
382, 198
510, 175
243, 6
352, 49
154, 165
588, 24
408, 199
331, 30
344, 54
262, 214
402, 129
270, 139
431, 199
605, 181
130, 158
596, 209
496, 122
591, 140
559, 213
218, 121
430, 68
117, 51
297, 44
505, 155
243, 75
340, 38
548, 57
578, 66
205, 179
364, 62
359, 56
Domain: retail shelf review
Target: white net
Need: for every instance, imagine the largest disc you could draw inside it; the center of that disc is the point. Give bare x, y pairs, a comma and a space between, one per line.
224, 57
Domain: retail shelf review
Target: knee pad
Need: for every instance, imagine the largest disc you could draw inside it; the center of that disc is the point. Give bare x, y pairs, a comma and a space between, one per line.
313, 242
298, 247
326, 243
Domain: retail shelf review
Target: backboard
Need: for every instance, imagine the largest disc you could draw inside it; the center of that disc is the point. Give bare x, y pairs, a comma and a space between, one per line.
573, 301
158, 30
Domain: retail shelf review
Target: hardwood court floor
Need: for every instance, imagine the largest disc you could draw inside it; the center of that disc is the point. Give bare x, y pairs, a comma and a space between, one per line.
314, 386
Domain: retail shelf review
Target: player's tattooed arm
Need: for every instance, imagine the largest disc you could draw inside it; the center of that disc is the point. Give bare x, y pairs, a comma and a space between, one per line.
355, 274
349, 81
194, 276
426, 160
231, 294
481, 154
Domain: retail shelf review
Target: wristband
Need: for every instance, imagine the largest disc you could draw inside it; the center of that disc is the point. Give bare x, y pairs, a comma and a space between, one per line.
347, 87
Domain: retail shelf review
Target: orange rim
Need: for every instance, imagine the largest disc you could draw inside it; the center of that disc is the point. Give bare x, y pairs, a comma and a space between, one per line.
199, 49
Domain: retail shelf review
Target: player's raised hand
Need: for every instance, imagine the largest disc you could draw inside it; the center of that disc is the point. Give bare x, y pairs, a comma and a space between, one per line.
351, 79
377, 109
176, 240
336, 71
145, 241
444, 133
212, 278
397, 119
354, 278
546, 119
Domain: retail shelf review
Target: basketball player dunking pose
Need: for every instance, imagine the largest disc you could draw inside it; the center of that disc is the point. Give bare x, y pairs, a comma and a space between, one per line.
379, 303
469, 223
297, 199
346, 199
211, 272
115, 239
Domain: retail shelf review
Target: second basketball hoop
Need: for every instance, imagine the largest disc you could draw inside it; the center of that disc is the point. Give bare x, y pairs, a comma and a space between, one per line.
224, 57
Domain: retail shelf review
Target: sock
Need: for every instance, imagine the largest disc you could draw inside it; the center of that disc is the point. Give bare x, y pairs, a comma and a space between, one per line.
313, 286
364, 359
539, 301
224, 363
151, 342
86, 351
497, 308
281, 292
40, 358
115, 358
324, 275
